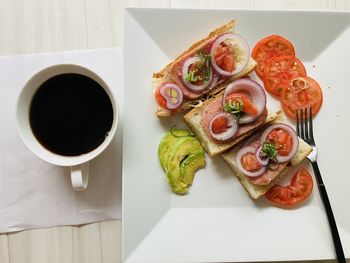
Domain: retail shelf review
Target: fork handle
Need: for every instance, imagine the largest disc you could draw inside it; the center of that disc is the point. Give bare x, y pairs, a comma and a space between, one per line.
324, 196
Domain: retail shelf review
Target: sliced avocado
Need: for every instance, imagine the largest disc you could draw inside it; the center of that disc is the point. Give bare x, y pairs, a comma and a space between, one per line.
190, 165
182, 149
166, 142
177, 185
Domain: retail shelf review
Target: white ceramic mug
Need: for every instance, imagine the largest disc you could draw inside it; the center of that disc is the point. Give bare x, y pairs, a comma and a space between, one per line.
79, 165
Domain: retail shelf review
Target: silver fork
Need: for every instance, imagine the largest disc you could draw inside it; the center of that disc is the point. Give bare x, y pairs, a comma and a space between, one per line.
305, 131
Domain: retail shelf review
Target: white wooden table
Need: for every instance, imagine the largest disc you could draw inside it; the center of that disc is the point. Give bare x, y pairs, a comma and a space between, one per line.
29, 26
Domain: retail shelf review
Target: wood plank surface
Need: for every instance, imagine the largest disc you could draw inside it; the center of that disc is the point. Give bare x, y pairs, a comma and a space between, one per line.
4, 249
53, 245
111, 241
87, 243
248, 4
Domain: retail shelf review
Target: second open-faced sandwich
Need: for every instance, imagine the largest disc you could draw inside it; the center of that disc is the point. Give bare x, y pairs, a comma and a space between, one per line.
230, 116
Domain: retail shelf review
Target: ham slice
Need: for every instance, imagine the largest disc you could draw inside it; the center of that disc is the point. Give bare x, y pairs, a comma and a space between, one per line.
268, 176
215, 107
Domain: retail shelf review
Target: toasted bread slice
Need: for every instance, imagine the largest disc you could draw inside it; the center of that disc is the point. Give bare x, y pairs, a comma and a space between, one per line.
255, 191
164, 75
193, 120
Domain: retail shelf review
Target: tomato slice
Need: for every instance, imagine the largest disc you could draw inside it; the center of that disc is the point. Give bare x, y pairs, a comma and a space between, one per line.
301, 93
292, 195
160, 99
268, 47
168, 95
282, 140
220, 125
223, 57
250, 163
279, 71
248, 106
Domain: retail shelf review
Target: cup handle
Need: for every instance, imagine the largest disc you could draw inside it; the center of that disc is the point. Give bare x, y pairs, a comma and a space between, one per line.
80, 176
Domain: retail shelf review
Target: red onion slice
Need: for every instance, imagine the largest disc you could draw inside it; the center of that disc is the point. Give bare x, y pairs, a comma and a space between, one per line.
261, 160
230, 132
240, 48
173, 95
254, 89
214, 80
193, 87
292, 133
243, 151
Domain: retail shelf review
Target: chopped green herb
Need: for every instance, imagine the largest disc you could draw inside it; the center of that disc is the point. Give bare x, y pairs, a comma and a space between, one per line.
269, 150
202, 71
234, 106
192, 76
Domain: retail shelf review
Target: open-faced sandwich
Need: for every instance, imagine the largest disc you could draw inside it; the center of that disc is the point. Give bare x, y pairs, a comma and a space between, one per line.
232, 115
261, 161
220, 57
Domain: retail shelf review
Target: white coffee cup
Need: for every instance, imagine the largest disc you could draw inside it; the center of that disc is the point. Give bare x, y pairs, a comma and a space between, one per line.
79, 165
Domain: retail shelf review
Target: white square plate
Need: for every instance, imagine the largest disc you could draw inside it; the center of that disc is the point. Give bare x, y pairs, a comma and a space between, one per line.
217, 221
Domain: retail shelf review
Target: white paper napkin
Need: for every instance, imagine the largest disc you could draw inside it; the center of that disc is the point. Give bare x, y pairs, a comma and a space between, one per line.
34, 193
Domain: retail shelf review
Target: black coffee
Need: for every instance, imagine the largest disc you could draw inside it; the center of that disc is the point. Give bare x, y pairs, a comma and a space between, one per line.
71, 114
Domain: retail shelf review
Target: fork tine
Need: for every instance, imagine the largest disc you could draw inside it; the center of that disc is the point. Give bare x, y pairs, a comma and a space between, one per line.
306, 124
302, 122
297, 124
311, 134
